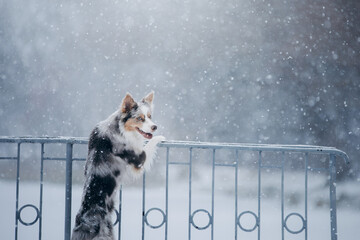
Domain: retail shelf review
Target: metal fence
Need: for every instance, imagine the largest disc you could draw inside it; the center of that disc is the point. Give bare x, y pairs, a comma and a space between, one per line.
259, 149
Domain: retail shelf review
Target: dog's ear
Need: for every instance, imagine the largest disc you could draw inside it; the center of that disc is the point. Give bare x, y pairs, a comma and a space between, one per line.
149, 98
128, 103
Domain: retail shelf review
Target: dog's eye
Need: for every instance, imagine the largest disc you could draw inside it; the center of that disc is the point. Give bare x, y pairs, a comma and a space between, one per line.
149, 116
140, 119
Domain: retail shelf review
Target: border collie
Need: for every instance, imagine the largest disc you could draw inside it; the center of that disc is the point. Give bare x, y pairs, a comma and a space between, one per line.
116, 153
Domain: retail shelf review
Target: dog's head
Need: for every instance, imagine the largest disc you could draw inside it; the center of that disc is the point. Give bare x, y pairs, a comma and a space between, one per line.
136, 117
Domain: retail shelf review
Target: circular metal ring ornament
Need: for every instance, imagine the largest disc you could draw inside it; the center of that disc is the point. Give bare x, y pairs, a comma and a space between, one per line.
196, 226
36, 218
302, 219
248, 229
155, 209
117, 217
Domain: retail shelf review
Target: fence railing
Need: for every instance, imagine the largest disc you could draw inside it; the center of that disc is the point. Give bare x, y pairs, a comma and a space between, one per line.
331, 154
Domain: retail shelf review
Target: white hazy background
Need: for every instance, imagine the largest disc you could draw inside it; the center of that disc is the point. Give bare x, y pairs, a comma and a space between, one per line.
258, 71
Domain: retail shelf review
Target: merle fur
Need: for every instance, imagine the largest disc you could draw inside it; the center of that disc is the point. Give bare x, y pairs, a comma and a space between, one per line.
97, 202
112, 155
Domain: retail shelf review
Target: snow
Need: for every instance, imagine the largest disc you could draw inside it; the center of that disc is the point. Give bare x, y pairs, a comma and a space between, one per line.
278, 72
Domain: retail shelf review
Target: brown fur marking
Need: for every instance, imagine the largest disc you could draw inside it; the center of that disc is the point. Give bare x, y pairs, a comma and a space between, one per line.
142, 117
131, 124
149, 98
127, 104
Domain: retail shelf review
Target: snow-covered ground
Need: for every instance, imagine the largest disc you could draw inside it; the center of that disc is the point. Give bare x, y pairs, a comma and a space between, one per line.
224, 226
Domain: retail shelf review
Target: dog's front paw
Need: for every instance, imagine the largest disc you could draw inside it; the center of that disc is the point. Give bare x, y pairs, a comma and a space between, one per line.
154, 141
159, 139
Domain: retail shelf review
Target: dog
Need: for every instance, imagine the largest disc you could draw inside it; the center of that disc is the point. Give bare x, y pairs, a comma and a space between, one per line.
116, 152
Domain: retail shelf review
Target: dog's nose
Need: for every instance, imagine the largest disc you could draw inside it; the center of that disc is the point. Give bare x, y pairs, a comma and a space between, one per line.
153, 127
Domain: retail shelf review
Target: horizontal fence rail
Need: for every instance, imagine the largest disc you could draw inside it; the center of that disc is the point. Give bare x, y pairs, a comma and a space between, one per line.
332, 154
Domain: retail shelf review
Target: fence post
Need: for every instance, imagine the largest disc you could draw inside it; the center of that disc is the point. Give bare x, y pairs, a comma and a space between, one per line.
332, 169
17, 191
69, 153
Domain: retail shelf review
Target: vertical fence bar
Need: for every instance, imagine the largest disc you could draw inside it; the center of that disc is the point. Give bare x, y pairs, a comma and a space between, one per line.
69, 153
167, 193
259, 194
332, 170
143, 208
282, 195
306, 194
120, 209
17, 191
212, 195
236, 189
41, 188
190, 166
